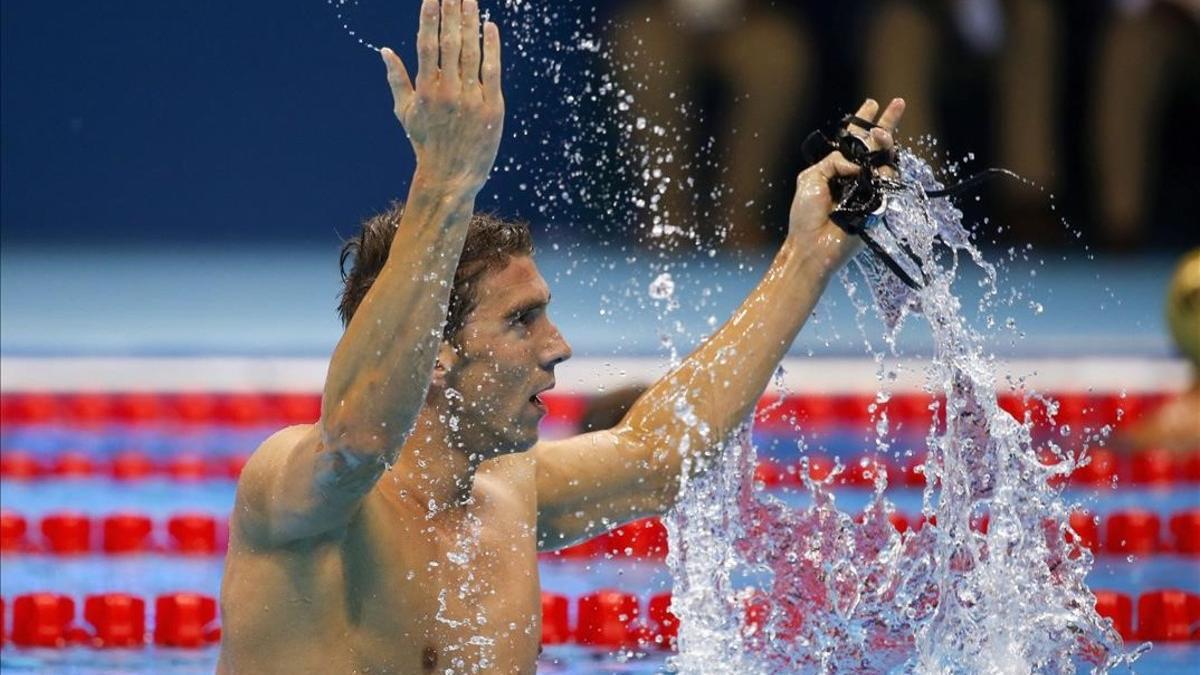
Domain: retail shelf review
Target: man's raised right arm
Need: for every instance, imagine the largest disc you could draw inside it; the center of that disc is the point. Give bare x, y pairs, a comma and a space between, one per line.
307, 481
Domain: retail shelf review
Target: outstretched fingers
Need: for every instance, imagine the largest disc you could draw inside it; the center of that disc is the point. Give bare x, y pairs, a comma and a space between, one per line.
890, 118
883, 136
880, 136
427, 46
491, 61
470, 43
866, 111
398, 80
451, 43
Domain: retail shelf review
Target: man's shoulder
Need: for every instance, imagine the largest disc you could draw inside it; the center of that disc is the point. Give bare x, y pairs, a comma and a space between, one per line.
513, 469
275, 449
264, 465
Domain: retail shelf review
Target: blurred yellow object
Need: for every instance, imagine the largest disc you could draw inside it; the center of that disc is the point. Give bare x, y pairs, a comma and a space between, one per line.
1183, 306
1175, 425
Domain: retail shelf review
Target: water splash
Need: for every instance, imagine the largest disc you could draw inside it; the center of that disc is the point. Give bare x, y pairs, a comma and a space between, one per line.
342, 8
994, 582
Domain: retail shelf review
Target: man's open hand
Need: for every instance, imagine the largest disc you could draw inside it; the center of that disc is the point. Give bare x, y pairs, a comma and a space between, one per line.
808, 221
454, 115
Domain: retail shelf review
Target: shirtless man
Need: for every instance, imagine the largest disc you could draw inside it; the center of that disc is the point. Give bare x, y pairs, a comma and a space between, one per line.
400, 532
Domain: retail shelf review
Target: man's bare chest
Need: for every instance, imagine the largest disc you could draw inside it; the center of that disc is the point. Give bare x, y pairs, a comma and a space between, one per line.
466, 590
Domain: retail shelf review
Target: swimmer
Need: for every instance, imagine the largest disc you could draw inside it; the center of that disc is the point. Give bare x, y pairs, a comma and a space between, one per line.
400, 533
1175, 424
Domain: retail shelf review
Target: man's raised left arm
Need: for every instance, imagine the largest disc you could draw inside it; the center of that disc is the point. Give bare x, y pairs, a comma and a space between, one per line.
590, 483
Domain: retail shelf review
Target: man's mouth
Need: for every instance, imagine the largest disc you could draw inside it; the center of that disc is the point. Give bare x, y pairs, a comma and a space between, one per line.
537, 401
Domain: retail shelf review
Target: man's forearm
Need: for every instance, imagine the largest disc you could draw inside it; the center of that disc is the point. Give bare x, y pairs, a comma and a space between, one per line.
721, 381
381, 368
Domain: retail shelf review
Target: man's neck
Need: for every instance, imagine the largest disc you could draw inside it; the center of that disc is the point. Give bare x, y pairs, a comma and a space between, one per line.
433, 470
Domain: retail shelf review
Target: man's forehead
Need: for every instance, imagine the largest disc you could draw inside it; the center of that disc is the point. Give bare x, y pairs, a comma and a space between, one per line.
517, 281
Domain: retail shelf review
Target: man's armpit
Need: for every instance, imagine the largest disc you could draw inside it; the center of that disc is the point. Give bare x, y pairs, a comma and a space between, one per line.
341, 474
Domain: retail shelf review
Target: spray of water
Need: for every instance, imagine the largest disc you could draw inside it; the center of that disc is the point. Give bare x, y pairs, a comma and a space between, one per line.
343, 10
992, 583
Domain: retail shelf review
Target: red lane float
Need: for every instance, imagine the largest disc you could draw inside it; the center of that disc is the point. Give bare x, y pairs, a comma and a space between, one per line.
45, 620
30, 407
862, 471
126, 534
125, 466
1086, 530
140, 408
914, 411
1168, 615
130, 465
190, 467
118, 620
67, 533
193, 534
645, 538
73, 465
1155, 466
1118, 608
13, 532
297, 408
664, 625
185, 620
18, 465
1123, 532
1133, 532
607, 618
1076, 409
555, 625
1185, 531
1102, 469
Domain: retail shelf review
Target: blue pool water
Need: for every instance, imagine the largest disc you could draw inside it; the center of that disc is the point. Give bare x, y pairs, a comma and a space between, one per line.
153, 574
262, 304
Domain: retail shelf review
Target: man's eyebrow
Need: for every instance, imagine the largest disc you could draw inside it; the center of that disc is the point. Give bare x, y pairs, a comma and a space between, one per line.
529, 305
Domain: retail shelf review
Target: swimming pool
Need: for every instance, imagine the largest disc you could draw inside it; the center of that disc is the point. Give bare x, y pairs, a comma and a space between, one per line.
136, 382
115, 507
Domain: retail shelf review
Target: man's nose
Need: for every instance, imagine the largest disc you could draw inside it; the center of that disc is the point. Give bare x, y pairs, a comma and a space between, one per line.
557, 349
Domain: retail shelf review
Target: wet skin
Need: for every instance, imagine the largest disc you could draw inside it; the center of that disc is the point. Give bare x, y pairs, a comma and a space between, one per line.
365, 599
404, 587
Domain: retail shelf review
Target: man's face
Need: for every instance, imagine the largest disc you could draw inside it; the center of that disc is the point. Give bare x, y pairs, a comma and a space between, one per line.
505, 356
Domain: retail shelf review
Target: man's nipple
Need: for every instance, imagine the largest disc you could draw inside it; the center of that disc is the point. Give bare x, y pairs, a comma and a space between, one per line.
429, 658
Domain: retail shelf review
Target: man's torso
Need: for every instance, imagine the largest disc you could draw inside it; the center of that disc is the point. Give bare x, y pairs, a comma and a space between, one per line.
395, 591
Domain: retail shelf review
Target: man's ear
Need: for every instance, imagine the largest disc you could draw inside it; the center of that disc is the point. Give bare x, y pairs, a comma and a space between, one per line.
447, 358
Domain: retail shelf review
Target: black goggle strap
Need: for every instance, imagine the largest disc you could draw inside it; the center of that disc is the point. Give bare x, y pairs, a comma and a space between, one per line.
855, 120
970, 182
871, 158
887, 157
817, 145
891, 262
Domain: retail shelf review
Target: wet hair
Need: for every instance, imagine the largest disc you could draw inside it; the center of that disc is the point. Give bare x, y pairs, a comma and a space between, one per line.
491, 242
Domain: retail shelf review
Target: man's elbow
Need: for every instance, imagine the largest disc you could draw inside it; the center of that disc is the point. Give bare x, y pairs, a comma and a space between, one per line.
356, 429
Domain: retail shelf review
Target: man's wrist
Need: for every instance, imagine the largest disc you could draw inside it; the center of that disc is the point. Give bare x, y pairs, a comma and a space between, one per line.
432, 187
820, 253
